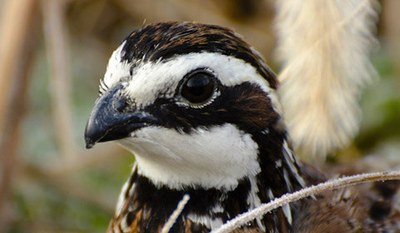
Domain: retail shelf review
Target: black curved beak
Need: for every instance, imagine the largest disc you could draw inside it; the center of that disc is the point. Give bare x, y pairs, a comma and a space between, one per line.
108, 120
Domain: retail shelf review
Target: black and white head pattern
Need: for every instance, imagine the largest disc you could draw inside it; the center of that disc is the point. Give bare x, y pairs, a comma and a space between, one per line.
198, 108
208, 91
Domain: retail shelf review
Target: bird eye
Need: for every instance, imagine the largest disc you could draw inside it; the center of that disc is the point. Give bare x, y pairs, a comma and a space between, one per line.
198, 87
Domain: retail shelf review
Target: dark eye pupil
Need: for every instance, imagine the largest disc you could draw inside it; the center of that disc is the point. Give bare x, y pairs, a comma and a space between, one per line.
198, 88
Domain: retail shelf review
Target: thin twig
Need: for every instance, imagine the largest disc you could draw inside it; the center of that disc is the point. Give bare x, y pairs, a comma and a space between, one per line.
174, 216
306, 192
19, 23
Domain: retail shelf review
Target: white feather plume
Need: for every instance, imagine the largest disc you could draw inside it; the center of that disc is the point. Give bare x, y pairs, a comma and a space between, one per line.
324, 46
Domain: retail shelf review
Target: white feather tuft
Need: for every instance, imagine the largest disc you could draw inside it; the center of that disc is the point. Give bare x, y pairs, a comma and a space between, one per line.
324, 47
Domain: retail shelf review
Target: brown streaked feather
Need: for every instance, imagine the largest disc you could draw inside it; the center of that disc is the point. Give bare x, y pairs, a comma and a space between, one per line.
327, 215
367, 208
350, 210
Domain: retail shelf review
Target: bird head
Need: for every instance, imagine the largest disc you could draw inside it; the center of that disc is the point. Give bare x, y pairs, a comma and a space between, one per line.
193, 102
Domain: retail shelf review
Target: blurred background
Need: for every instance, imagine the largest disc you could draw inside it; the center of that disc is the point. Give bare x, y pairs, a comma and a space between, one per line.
52, 55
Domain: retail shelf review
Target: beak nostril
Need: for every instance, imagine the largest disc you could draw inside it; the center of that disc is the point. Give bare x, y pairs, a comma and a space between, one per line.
120, 105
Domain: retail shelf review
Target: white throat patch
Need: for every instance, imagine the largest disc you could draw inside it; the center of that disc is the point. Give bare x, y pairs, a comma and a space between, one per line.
217, 157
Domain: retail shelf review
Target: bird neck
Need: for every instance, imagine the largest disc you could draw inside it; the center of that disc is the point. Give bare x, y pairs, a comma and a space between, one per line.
280, 174
208, 209
280, 169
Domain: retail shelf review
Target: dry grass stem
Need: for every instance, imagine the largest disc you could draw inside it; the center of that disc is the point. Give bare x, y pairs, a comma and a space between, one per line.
16, 16
56, 35
174, 216
306, 192
18, 38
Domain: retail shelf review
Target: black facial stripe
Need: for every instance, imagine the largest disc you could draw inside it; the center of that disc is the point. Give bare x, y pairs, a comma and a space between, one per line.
244, 105
166, 40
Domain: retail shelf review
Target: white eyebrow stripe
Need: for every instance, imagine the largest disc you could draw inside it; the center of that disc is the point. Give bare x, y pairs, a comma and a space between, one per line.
116, 68
154, 79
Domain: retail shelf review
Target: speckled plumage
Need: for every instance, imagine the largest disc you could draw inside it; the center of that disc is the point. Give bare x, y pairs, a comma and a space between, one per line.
250, 110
